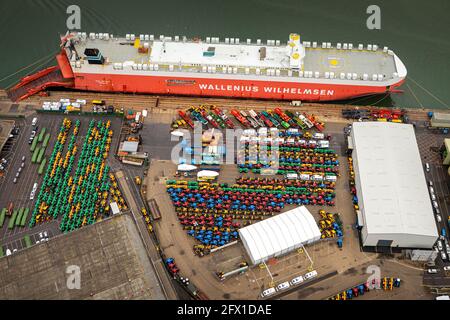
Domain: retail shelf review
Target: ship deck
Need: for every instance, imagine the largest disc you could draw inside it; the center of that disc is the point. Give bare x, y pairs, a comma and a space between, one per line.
190, 55
349, 61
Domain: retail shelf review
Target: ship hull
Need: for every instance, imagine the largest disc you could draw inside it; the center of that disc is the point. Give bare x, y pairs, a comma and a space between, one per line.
237, 88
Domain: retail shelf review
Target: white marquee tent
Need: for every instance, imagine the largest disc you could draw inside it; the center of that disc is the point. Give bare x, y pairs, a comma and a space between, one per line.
279, 235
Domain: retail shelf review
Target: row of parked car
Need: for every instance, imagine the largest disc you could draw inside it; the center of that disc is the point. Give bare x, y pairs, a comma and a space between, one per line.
285, 285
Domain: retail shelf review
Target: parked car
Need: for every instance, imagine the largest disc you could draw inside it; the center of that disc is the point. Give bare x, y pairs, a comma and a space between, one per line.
268, 292
283, 286
427, 167
432, 271
447, 268
23, 158
430, 183
435, 204
431, 189
443, 256
438, 218
433, 197
439, 245
297, 280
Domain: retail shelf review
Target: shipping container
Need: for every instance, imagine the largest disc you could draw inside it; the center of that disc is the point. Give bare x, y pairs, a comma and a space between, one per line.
46, 140
35, 154
42, 166
13, 219
24, 217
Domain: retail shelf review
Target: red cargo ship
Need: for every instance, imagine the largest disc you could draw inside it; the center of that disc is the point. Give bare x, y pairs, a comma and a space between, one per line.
293, 70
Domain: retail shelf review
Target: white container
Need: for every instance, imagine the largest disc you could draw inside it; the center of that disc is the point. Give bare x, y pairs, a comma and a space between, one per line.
314, 44
369, 47
338, 45
170, 67
324, 45
350, 46
349, 76
146, 37
235, 70
132, 37
247, 70
227, 40
249, 41
345, 46
327, 75
156, 67
177, 38
360, 46
277, 42
331, 75
224, 69
203, 68
365, 77
236, 40
300, 74
374, 77
277, 72
141, 37
316, 74
139, 66
258, 41
258, 71
208, 39
354, 76
342, 75
231, 40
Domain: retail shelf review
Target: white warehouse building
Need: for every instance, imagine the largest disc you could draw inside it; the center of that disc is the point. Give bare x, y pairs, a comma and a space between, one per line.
279, 235
395, 206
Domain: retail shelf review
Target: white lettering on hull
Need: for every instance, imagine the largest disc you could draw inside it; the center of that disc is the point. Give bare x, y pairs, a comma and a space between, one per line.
275, 90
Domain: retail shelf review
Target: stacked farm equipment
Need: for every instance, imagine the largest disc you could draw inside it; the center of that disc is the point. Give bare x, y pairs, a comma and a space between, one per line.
81, 198
387, 284
330, 226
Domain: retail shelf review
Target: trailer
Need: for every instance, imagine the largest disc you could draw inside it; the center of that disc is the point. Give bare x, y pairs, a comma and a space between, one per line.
41, 134
40, 155
154, 209
27, 241
46, 140
33, 145
35, 155
42, 166
13, 219
24, 217
19, 217
2, 217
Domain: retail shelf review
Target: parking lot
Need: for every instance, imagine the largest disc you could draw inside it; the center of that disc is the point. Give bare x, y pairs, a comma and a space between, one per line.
327, 258
19, 193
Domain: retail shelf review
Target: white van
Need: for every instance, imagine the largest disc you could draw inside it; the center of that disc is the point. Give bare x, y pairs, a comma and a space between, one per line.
283, 286
311, 275
268, 292
291, 176
34, 122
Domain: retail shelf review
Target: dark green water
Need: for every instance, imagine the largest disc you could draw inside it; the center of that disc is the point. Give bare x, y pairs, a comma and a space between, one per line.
418, 31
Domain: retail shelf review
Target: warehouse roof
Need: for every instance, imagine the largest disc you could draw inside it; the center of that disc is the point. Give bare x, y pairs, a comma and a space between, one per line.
280, 234
389, 171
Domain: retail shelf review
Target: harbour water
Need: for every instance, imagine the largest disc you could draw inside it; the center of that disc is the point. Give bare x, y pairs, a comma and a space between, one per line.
416, 30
